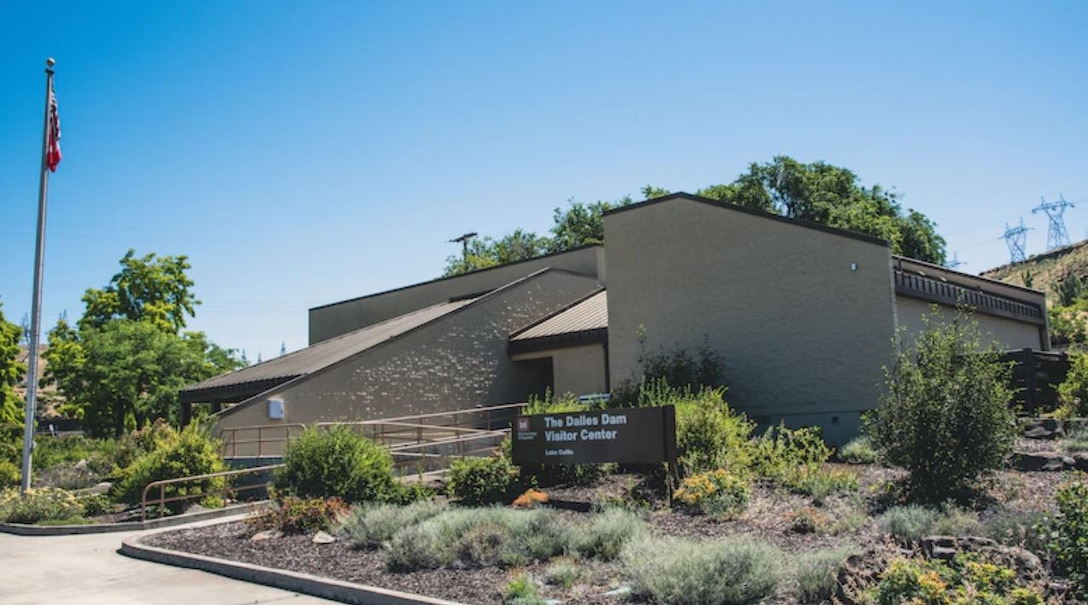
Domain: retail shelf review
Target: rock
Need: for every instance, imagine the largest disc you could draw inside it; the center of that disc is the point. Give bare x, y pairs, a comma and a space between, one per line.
1039, 461
1080, 461
323, 538
622, 591
100, 488
268, 534
1046, 428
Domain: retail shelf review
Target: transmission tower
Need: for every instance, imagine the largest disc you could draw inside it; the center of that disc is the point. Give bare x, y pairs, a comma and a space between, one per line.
1016, 238
955, 263
1056, 236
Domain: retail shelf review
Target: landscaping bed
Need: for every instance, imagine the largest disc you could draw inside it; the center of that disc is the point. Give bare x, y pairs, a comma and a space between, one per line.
791, 522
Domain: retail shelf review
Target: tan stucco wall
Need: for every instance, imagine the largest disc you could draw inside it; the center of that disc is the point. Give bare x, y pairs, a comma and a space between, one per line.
800, 333
1009, 334
338, 318
457, 362
577, 370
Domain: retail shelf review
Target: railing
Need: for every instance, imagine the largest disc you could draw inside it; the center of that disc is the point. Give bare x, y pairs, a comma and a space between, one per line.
937, 290
162, 500
267, 437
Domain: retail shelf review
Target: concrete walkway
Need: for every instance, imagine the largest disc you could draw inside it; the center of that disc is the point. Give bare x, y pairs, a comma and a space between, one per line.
87, 570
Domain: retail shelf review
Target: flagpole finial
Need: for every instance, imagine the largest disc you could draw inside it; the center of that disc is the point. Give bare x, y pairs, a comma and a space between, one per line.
50, 62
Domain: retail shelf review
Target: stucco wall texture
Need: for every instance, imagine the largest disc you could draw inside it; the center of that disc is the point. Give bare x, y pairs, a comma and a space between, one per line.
576, 370
339, 318
1007, 333
459, 361
803, 318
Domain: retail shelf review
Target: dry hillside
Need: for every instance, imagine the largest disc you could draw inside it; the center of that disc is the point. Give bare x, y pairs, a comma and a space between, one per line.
1044, 271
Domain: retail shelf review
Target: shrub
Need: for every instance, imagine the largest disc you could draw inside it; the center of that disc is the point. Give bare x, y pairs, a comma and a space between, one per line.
605, 534
858, 450
478, 536
780, 451
95, 505
187, 453
1068, 534
1073, 391
336, 463
1015, 528
39, 505
563, 572
521, 591
370, 525
817, 573
1075, 441
819, 482
945, 415
675, 571
476, 481
294, 515
966, 579
709, 435
717, 493
10, 474
908, 523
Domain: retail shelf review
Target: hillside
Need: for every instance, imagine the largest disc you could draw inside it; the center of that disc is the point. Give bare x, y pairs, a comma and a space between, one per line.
48, 397
1044, 271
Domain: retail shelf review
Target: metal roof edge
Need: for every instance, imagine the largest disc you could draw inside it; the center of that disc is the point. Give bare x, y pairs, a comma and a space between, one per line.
555, 313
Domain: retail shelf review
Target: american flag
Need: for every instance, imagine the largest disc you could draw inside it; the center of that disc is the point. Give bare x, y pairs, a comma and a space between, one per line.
52, 148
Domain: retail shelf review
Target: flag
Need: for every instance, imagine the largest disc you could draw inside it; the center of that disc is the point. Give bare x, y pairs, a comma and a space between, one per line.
52, 147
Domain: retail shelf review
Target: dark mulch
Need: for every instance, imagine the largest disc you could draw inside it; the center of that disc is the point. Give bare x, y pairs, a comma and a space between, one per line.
772, 515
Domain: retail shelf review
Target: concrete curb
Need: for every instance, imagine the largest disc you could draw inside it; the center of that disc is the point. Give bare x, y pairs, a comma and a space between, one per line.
19, 529
325, 588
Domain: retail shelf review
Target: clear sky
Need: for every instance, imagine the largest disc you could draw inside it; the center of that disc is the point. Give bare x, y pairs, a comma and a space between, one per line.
302, 153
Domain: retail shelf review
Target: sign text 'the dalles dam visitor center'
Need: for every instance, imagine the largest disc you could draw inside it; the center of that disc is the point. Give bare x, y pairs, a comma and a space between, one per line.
624, 435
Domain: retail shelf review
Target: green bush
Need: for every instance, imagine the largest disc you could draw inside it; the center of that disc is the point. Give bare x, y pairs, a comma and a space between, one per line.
521, 590
1016, 528
717, 493
820, 482
186, 453
39, 505
371, 525
294, 515
966, 579
336, 463
1068, 534
605, 534
817, 573
474, 537
675, 571
945, 415
709, 435
1073, 391
908, 523
780, 451
10, 474
476, 481
858, 450
1075, 441
563, 572
95, 505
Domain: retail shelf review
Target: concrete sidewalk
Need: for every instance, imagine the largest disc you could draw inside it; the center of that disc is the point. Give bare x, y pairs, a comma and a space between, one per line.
87, 570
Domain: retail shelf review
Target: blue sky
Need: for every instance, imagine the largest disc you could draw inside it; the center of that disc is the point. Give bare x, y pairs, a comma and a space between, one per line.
302, 153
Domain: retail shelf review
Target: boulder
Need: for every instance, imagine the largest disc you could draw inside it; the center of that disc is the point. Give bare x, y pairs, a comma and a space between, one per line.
268, 534
1040, 461
1042, 428
1080, 461
323, 538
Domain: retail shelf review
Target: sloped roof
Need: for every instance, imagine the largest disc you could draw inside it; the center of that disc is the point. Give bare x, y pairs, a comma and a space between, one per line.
583, 322
263, 376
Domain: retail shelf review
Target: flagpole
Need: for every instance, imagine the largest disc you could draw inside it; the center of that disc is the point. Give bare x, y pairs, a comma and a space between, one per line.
36, 308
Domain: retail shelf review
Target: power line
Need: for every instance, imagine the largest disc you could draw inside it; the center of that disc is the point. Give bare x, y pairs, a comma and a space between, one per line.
1056, 236
1016, 238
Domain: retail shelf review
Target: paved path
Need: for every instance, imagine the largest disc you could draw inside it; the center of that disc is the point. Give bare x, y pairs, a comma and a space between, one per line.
87, 570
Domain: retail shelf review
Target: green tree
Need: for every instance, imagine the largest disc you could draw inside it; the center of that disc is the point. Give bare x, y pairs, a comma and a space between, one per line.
123, 363
581, 224
945, 413
150, 289
485, 252
11, 371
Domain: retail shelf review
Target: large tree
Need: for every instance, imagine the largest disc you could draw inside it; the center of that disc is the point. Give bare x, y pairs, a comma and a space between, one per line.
817, 192
122, 364
11, 371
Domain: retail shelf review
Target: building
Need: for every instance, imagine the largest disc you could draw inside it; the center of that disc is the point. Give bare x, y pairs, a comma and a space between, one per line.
802, 315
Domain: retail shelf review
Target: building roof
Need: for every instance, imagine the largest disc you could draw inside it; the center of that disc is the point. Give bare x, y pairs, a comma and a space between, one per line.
256, 379
582, 322
680, 195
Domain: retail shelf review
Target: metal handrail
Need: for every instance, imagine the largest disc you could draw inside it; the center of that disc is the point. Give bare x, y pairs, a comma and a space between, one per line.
233, 441
162, 483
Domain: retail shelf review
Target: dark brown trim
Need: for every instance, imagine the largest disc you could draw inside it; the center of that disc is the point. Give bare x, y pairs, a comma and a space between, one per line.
931, 289
559, 341
233, 392
754, 212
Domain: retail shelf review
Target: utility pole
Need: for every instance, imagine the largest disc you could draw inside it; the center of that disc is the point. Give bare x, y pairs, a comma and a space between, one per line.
1056, 236
463, 240
1016, 238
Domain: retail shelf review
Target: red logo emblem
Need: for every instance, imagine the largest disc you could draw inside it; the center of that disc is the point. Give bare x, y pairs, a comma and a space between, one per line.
523, 424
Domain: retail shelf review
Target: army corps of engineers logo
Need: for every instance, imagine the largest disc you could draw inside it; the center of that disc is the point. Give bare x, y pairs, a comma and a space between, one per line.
524, 434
